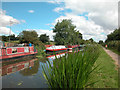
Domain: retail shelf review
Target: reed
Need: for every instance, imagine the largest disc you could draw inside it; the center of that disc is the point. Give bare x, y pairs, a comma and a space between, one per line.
73, 70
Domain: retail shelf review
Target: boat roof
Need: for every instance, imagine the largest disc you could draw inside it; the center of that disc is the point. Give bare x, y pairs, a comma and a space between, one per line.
56, 47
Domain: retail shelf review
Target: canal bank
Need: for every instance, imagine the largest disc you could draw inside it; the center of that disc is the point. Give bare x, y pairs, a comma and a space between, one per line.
106, 74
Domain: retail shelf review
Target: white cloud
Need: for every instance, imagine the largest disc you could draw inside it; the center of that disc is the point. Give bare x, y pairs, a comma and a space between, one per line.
31, 11
88, 28
5, 21
42, 31
102, 17
102, 12
58, 9
5, 31
55, 1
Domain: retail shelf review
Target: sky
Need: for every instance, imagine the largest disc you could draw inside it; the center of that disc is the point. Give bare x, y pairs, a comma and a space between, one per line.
93, 18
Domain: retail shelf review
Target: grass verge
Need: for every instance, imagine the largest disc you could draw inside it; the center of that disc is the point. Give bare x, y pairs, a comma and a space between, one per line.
107, 75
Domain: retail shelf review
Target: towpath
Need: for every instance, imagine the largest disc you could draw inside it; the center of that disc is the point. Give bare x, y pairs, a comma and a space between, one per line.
114, 56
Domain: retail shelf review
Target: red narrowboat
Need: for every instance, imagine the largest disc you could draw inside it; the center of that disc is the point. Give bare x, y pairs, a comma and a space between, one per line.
14, 52
56, 48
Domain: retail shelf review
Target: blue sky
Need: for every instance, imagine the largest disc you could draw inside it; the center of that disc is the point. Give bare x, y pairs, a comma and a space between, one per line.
90, 17
43, 14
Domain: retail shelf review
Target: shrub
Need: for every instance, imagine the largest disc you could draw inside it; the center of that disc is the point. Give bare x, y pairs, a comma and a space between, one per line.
114, 45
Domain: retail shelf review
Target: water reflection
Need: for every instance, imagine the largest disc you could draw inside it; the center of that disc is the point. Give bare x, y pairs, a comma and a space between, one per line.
23, 73
32, 70
12, 66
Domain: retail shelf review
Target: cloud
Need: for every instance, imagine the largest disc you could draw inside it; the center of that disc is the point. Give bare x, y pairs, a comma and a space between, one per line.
102, 17
102, 12
88, 28
5, 31
55, 1
31, 11
43, 31
58, 9
5, 21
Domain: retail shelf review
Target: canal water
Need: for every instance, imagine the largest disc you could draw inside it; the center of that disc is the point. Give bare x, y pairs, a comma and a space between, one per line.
23, 73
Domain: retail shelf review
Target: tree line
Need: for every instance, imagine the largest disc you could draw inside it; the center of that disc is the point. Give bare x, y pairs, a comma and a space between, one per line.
6, 38
115, 35
65, 33
113, 40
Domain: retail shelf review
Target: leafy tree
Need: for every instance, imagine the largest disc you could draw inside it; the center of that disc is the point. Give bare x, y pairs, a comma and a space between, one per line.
91, 40
115, 35
29, 36
44, 38
66, 33
12, 37
5, 38
113, 40
100, 42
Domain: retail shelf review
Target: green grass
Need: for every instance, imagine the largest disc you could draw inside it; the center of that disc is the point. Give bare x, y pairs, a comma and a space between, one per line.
107, 76
73, 70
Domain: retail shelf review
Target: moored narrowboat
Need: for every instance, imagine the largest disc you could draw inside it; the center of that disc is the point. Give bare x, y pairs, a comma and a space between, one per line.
56, 49
14, 52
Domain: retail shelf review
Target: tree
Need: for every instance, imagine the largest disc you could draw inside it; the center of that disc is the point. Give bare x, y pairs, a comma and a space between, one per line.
5, 38
12, 37
91, 40
44, 38
28, 36
115, 35
100, 42
66, 33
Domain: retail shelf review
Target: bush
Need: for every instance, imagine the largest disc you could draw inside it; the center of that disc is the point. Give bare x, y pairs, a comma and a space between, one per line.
114, 45
73, 70
40, 48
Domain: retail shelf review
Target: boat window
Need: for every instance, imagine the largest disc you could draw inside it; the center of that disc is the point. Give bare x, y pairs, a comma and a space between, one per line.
14, 50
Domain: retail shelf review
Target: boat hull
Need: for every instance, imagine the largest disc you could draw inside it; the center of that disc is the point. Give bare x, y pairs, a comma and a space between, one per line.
9, 57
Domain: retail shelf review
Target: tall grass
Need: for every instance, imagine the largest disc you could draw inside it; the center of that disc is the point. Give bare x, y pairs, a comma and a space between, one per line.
73, 70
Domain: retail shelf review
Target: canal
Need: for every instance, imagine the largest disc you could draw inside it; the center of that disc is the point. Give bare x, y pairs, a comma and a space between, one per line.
23, 73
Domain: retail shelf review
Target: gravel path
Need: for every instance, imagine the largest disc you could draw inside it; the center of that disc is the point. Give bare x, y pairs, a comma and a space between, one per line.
114, 56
